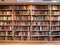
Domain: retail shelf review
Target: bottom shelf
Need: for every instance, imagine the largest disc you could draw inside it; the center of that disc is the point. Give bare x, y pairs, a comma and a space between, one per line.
29, 39
6, 38
20, 38
56, 38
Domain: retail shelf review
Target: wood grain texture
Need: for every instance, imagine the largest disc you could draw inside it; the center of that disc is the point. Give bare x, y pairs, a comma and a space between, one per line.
29, 43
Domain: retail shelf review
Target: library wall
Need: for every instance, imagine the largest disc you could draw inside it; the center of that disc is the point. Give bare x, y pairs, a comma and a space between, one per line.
36, 23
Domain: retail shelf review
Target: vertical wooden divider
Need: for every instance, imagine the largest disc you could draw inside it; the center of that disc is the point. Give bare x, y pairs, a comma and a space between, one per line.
31, 21
13, 21
50, 23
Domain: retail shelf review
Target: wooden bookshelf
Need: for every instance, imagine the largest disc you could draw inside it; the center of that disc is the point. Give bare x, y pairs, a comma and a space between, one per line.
29, 22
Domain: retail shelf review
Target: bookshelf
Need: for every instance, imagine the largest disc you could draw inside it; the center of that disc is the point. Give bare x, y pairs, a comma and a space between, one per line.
5, 22
55, 22
30, 22
40, 23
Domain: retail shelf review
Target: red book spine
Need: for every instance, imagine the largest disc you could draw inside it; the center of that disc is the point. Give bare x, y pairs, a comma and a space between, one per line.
59, 23
45, 28
8, 28
26, 23
17, 23
29, 18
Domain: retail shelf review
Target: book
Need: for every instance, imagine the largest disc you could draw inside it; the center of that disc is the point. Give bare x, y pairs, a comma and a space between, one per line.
8, 13
46, 12
16, 7
33, 23
28, 12
54, 7
17, 12
54, 12
0, 12
15, 28
9, 18
1, 23
58, 7
37, 33
40, 7
2, 18
3, 33
29, 34
10, 27
41, 28
33, 12
14, 22
38, 23
54, 23
58, 17
6, 33
37, 28
21, 7
2, 38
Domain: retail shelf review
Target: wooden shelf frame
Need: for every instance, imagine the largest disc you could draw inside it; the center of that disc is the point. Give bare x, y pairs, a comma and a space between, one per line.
29, 32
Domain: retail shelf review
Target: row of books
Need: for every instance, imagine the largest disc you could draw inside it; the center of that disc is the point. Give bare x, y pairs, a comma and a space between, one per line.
46, 28
55, 33
5, 18
55, 12
40, 7
5, 38
55, 23
23, 18
5, 7
6, 12
21, 33
34, 7
29, 23
5, 33
24, 38
40, 18
6, 23
21, 28
55, 18
55, 28
40, 28
27, 7
55, 7
33, 12
20, 38
32, 18
21, 12
6, 28
29, 18
40, 23
28, 28
33, 38
37, 33
40, 12
21, 7
57, 38
22, 23
40, 38
28, 12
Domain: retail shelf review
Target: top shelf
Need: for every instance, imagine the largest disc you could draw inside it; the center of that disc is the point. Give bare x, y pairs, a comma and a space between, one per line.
27, 7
